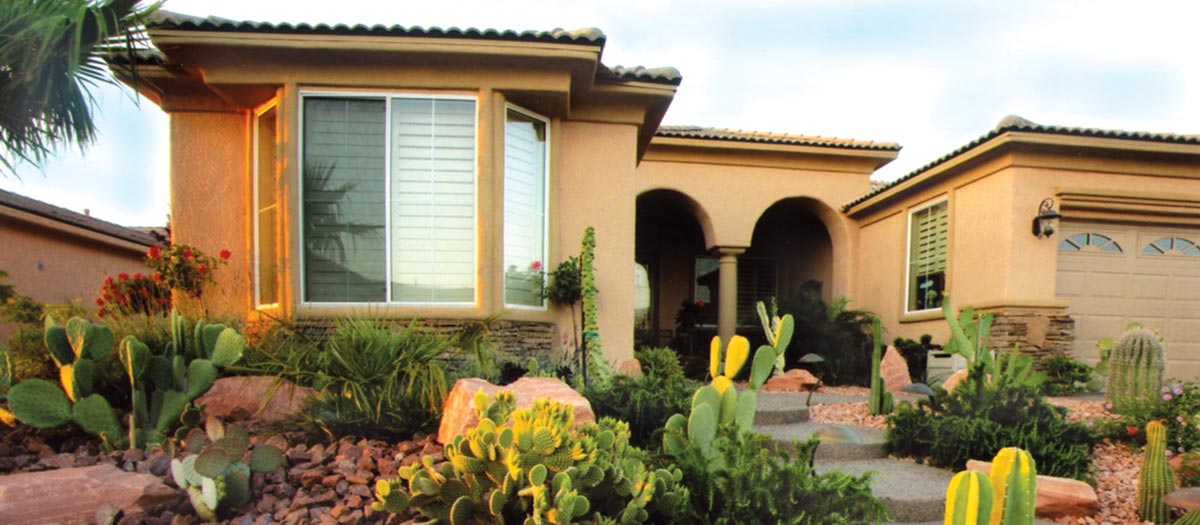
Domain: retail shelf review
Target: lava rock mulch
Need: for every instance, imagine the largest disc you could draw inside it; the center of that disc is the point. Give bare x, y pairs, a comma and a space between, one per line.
321, 483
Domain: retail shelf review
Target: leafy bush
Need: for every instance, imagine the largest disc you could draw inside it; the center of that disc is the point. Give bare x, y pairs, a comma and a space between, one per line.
372, 380
979, 418
644, 403
547, 366
832, 331
660, 362
1066, 376
760, 479
1178, 405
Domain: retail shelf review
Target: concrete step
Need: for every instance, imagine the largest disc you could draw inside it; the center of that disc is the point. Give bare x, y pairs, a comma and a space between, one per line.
854, 443
912, 493
776, 412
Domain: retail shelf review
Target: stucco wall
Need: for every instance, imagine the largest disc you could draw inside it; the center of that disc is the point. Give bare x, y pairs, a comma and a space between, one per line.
54, 266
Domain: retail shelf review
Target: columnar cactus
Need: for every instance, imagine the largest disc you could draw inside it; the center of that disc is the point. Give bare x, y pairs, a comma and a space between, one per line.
881, 400
1014, 485
540, 469
779, 334
969, 499
217, 476
594, 362
1135, 368
1007, 497
1191, 518
1156, 479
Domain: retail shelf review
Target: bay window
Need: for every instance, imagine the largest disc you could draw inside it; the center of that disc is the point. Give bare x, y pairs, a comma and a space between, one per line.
388, 199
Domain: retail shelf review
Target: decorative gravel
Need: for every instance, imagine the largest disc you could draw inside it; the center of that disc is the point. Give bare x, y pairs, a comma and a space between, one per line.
1116, 464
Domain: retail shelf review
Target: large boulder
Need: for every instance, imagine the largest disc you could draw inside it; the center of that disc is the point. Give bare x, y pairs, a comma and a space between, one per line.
1056, 497
458, 411
893, 368
794, 380
74, 495
242, 397
954, 379
631, 368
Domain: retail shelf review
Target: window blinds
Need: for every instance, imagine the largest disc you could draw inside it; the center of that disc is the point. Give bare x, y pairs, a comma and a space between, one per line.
524, 209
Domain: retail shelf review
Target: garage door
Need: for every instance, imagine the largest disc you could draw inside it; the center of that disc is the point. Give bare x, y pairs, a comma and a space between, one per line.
1115, 275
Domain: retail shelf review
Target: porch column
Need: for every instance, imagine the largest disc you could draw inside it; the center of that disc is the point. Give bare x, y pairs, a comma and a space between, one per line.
727, 291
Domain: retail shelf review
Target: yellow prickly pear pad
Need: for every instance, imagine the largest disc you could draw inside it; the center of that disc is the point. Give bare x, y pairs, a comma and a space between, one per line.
736, 355
721, 384
714, 357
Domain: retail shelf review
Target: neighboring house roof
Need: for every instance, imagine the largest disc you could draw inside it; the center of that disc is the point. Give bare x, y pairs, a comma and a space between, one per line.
705, 133
657, 75
1016, 123
162, 19
62, 215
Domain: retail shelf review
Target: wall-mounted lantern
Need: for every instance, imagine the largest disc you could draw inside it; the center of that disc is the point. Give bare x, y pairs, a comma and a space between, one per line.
1043, 223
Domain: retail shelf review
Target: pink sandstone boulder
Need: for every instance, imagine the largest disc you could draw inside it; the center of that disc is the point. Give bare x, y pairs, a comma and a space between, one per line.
893, 368
73, 495
1056, 497
954, 380
458, 411
794, 380
631, 368
242, 397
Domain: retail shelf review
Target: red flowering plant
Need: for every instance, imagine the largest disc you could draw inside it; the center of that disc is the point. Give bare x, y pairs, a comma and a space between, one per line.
133, 294
184, 268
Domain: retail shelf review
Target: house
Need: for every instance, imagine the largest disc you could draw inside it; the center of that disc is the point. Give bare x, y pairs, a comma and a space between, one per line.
56, 255
410, 172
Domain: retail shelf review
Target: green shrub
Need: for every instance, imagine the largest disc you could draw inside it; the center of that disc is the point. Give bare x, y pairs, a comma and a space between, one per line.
1066, 376
1178, 405
545, 366
916, 354
979, 418
645, 403
373, 380
760, 479
832, 331
660, 362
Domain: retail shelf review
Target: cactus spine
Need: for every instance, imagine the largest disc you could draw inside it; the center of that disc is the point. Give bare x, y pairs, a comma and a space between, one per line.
1156, 479
779, 333
1014, 484
969, 499
881, 399
1007, 497
1135, 368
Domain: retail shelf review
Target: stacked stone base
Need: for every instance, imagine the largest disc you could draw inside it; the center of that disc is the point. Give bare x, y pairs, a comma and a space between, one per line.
1040, 333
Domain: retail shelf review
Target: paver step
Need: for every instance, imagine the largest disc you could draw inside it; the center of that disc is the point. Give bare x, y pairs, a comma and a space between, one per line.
912, 492
780, 416
857, 442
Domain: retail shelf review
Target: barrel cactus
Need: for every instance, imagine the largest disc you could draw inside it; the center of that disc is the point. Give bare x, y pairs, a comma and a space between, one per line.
1156, 479
1135, 368
217, 476
1007, 497
969, 499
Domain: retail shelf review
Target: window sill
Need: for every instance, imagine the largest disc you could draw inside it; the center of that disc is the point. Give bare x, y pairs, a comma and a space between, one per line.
921, 316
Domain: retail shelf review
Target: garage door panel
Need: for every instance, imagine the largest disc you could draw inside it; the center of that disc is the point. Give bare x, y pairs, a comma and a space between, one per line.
1107, 292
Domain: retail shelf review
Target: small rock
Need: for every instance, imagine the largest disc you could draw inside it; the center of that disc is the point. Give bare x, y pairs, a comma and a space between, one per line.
108, 514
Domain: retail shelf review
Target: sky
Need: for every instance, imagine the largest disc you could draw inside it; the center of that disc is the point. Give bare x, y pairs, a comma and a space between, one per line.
930, 75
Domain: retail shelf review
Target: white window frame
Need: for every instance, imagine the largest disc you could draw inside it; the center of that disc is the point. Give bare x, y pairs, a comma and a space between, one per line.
258, 113
908, 252
387, 96
545, 206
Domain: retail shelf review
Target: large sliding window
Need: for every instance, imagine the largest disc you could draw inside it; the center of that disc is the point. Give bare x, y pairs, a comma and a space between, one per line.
389, 199
266, 209
928, 230
524, 208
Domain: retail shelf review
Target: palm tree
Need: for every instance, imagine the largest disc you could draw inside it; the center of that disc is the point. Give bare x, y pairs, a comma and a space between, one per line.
51, 56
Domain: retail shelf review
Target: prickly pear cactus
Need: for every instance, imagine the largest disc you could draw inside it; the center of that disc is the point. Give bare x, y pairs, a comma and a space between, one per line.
969, 499
881, 399
537, 469
1156, 479
1135, 368
778, 331
217, 478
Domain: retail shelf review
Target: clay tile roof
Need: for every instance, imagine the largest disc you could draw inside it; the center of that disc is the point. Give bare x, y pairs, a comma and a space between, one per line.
657, 75
1017, 123
697, 132
169, 20
9, 199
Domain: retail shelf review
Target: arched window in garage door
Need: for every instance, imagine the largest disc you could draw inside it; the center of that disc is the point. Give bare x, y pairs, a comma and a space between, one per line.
1172, 246
1089, 242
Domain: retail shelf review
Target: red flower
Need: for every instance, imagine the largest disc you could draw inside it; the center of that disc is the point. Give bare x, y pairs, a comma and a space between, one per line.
187, 254
225, 254
123, 276
154, 252
1133, 431
158, 278
101, 312
99, 302
700, 303
139, 276
108, 281
537, 265
202, 268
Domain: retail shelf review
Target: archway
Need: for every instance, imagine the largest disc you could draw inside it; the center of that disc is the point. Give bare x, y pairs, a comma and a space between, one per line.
791, 250
670, 237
